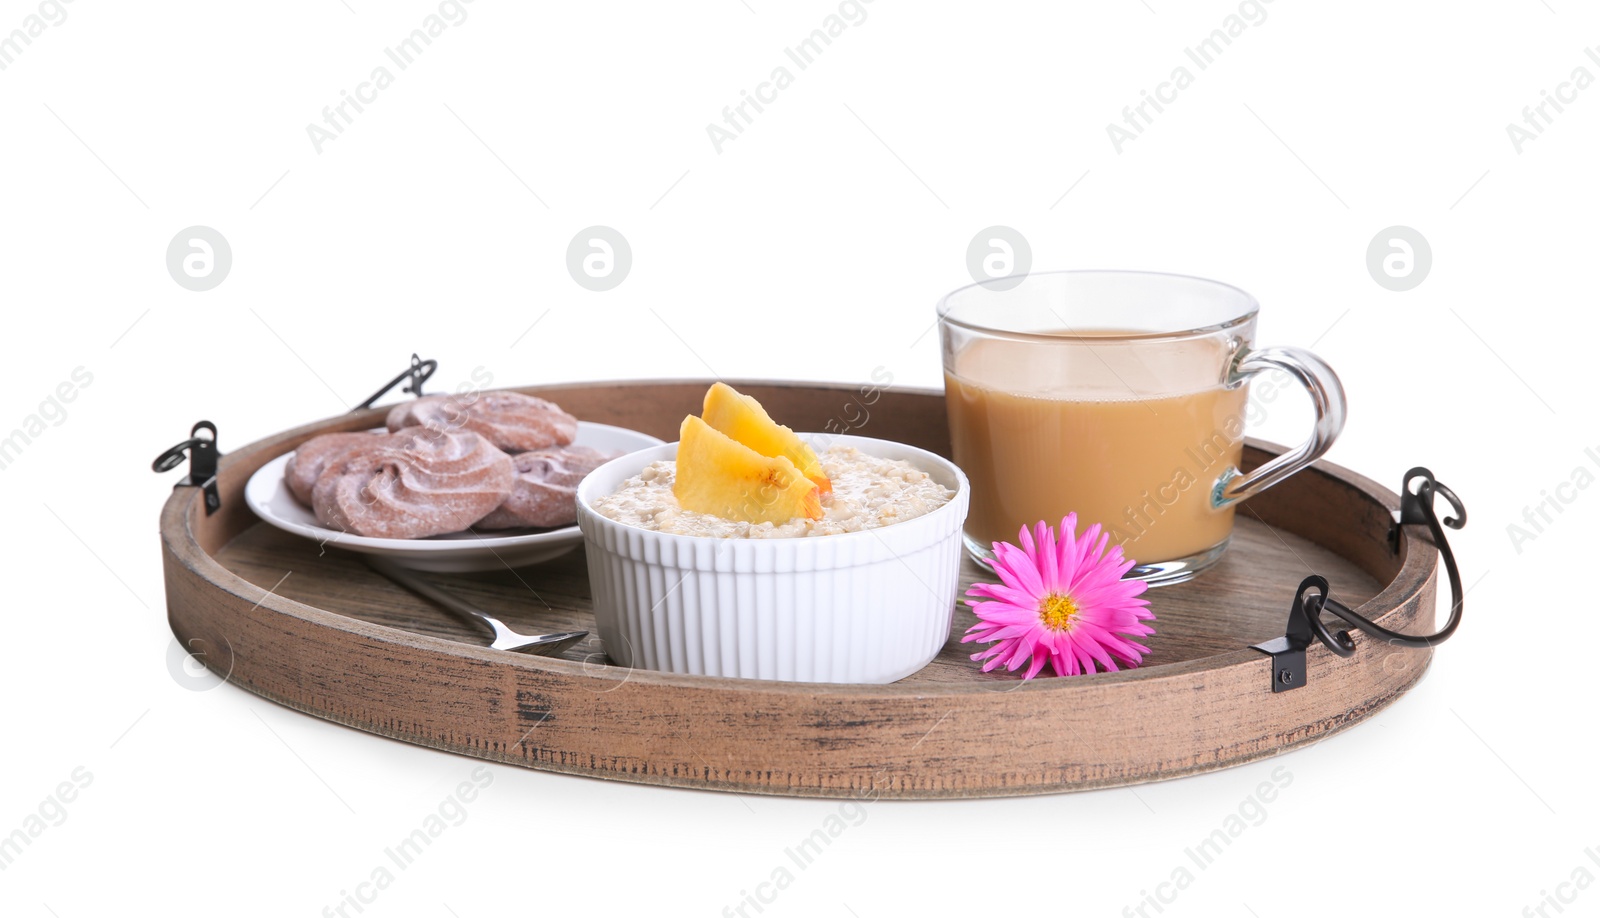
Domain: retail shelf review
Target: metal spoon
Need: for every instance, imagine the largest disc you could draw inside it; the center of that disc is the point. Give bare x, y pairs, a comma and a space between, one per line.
543, 645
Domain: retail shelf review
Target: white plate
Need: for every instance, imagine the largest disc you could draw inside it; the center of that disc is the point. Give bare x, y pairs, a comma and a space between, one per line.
269, 496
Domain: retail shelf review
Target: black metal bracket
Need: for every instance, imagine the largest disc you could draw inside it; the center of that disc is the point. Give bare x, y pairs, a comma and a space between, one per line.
1313, 597
417, 373
1289, 652
203, 455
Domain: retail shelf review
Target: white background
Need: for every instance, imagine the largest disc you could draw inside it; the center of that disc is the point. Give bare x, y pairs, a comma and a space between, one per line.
813, 246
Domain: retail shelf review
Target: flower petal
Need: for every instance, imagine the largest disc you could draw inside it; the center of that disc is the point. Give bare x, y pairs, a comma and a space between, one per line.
1047, 560
1039, 659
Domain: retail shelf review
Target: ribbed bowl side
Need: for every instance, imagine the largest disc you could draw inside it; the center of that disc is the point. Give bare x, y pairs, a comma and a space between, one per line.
868, 607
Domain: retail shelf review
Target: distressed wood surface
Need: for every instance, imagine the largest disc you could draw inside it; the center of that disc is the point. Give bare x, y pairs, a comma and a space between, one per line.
337, 641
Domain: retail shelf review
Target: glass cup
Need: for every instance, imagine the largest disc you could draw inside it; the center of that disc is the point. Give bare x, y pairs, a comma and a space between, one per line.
1120, 396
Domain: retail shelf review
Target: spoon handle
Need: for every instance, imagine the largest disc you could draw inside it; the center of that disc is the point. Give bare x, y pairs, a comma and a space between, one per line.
461, 608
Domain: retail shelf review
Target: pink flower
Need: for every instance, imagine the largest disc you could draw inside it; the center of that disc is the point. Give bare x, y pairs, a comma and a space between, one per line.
1064, 602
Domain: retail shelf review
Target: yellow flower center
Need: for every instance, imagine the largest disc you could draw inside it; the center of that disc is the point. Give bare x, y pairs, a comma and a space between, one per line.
1056, 611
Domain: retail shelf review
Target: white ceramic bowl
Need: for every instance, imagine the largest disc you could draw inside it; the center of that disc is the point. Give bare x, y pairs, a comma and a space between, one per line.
869, 607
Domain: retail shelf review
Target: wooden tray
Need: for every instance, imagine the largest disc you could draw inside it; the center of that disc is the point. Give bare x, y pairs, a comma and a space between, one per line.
336, 641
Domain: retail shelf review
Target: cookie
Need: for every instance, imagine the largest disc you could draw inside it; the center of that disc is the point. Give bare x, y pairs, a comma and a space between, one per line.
511, 421
416, 483
546, 487
314, 455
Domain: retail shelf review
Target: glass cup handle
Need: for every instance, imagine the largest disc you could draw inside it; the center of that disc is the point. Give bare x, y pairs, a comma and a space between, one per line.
1327, 399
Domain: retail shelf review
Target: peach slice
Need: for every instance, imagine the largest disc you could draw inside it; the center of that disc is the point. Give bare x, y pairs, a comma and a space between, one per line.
722, 477
742, 418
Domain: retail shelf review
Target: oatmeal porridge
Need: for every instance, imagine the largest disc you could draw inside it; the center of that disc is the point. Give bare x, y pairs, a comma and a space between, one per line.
868, 492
